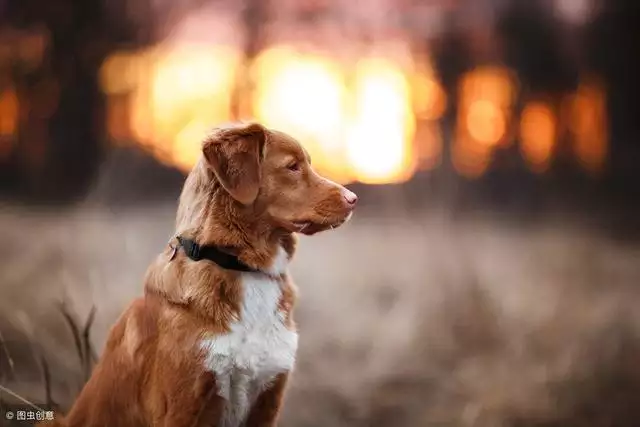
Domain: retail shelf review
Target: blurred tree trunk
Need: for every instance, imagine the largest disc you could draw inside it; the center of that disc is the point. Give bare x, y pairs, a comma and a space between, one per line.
612, 46
451, 60
61, 120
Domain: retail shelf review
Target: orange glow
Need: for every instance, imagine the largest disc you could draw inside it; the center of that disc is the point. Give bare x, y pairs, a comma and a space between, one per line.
186, 150
120, 73
429, 104
428, 153
189, 85
8, 112
485, 122
470, 159
380, 138
537, 135
429, 98
119, 77
486, 96
588, 124
166, 98
142, 124
118, 118
494, 84
124, 78
8, 121
368, 140
173, 93
304, 95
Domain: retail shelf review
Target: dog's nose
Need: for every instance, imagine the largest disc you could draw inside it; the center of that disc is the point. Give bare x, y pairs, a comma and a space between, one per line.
350, 197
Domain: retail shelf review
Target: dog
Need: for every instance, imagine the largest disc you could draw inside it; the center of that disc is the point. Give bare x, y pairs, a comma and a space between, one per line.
213, 341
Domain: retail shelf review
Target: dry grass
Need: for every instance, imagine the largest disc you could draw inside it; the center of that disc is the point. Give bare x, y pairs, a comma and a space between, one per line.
404, 322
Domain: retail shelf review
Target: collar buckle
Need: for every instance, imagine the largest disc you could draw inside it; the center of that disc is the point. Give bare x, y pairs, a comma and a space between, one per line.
194, 252
191, 249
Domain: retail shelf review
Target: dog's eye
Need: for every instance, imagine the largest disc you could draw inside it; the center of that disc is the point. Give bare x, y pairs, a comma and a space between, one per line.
293, 166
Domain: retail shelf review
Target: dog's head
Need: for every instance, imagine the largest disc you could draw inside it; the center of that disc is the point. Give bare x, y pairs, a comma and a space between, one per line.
269, 175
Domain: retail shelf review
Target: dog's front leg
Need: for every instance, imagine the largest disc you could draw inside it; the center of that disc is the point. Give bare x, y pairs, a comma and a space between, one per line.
264, 412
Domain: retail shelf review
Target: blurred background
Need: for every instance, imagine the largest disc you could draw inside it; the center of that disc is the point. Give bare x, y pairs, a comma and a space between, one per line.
490, 276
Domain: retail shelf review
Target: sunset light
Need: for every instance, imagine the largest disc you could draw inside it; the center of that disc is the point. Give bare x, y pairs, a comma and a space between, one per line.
371, 121
190, 88
8, 120
588, 125
304, 94
380, 138
363, 134
486, 96
537, 135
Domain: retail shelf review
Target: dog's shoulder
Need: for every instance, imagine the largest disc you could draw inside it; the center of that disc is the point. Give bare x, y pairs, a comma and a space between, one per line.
135, 328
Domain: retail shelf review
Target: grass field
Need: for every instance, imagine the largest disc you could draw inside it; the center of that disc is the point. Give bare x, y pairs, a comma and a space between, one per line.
404, 321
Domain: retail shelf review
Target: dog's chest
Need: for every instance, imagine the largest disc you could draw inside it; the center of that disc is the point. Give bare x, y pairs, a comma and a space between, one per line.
258, 348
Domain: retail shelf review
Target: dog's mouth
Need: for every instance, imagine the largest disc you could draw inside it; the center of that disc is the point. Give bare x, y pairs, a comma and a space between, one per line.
309, 228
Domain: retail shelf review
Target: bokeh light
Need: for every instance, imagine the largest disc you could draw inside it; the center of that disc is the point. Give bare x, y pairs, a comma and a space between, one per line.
380, 138
537, 135
486, 96
588, 125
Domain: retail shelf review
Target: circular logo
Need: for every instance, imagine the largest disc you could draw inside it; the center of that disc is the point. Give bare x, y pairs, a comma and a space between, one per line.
9, 415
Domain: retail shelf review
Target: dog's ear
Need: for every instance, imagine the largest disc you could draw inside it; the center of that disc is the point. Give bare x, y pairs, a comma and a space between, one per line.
234, 154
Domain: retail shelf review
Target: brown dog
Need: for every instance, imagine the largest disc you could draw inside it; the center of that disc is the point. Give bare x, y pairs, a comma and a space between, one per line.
212, 341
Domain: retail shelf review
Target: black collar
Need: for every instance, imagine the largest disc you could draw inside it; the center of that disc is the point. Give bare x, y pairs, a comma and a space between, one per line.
199, 252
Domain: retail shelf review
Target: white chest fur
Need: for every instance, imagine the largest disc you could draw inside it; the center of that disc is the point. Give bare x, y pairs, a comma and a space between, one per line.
258, 348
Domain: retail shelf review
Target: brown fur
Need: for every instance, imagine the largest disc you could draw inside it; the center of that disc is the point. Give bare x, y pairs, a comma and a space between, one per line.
252, 189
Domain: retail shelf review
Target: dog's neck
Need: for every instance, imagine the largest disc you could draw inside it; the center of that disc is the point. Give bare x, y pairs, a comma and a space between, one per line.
240, 232
210, 217
268, 253
209, 291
